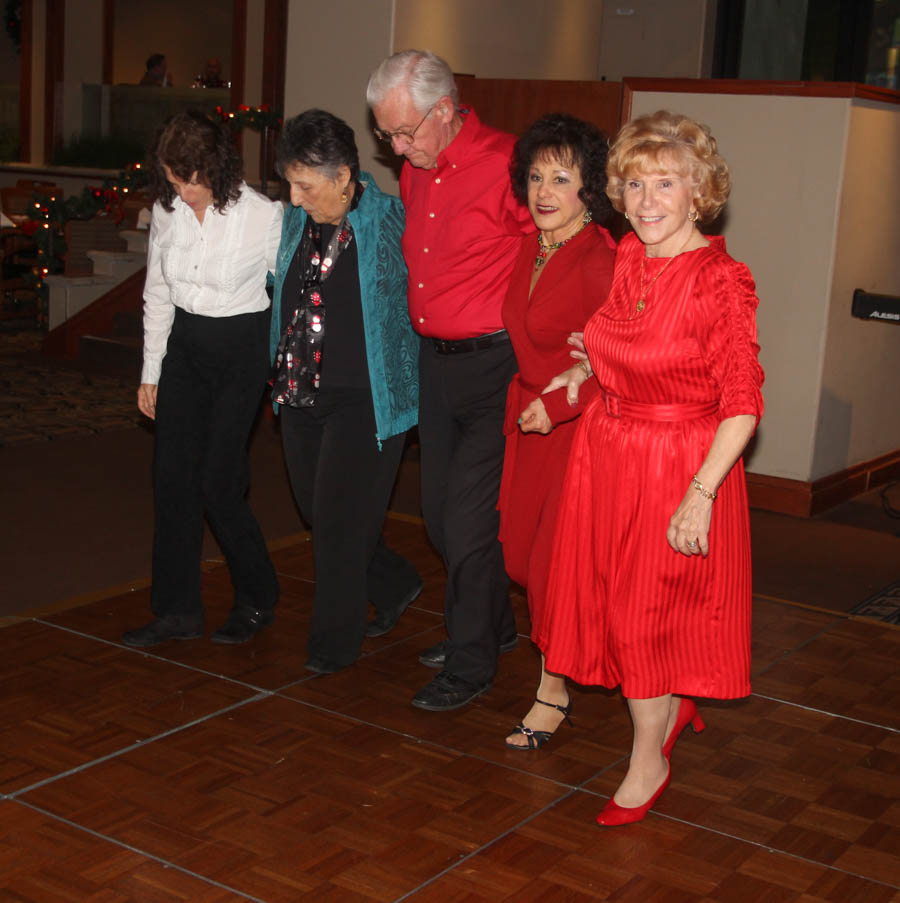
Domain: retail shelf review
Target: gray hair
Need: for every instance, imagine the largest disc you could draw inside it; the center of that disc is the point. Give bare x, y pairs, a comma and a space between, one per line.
424, 74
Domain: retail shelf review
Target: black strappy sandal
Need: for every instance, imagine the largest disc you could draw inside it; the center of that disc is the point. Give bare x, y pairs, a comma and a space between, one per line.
536, 739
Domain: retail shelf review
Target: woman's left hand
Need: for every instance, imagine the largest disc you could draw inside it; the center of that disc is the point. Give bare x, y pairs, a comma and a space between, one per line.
534, 419
688, 531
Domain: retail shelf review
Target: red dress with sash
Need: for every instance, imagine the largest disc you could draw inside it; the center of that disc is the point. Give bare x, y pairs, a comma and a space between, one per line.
623, 607
574, 283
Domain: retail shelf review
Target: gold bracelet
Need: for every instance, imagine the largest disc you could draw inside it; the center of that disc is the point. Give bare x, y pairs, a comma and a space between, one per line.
699, 487
587, 370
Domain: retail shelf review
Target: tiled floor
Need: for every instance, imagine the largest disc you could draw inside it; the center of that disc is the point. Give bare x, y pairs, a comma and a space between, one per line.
206, 773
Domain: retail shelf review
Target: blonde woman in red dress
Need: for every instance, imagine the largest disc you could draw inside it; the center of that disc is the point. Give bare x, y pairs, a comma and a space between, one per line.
650, 583
562, 275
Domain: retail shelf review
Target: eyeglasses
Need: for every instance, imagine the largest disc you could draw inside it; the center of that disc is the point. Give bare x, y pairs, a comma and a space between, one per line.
401, 134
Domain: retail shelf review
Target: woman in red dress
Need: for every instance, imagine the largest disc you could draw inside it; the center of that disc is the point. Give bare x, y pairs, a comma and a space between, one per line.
650, 584
562, 276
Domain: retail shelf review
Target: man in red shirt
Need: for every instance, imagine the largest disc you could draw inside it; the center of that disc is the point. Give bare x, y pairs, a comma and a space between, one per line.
463, 228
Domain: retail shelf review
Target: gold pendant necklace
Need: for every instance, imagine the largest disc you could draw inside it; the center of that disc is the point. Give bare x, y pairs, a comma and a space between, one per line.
642, 300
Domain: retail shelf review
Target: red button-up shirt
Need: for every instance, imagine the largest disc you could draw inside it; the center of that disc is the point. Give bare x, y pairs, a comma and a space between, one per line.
463, 227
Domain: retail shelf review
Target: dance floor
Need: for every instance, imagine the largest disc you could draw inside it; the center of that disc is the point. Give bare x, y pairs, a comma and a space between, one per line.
202, 773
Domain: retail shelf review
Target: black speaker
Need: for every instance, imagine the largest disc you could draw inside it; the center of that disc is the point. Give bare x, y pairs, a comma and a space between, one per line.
885, 308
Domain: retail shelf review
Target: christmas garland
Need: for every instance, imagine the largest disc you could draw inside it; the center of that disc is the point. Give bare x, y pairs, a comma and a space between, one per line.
48, 215
256, 118
12, 18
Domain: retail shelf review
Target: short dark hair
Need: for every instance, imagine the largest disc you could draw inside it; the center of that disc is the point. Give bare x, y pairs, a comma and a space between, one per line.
320, 140
576, 143
154, 60
191, 142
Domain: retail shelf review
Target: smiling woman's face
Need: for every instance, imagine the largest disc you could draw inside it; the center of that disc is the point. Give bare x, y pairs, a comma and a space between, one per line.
658, 205
553, 200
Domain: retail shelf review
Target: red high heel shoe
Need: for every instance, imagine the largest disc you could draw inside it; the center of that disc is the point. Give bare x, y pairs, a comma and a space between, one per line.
687, 714
612, 814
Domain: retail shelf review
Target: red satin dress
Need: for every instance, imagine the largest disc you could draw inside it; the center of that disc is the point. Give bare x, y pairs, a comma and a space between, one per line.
575, 281
623, 607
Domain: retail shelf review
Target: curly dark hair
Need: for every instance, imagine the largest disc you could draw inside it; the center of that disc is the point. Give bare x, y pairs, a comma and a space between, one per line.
574, 142
320, 140
191, 142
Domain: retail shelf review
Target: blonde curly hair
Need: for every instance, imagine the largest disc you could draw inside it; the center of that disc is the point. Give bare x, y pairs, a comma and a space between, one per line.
663, 141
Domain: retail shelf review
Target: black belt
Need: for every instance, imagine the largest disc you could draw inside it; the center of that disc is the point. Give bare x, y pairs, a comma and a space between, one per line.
458, 346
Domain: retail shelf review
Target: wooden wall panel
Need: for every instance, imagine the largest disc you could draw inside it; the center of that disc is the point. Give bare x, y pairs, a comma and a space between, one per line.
513, 104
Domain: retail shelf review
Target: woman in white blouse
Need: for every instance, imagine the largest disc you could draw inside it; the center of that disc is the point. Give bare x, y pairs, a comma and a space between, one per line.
206, 321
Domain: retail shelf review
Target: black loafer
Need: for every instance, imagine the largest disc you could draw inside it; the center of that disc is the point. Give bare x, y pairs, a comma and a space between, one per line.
320, 665
242, 625
436, 656
171, 627
385, 621
447, 692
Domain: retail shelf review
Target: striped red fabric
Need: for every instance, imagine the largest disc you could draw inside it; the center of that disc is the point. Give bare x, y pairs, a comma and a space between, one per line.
623, 608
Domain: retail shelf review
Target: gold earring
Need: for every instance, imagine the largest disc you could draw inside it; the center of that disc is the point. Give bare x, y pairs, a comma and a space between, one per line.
693, 216
626, 217
344, 196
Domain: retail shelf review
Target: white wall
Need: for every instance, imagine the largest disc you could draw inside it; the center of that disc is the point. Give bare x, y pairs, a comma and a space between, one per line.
656, 39
329, 60
506, 38
859, 411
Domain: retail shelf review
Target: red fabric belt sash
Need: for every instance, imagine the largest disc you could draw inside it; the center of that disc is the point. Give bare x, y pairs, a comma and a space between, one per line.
667, 413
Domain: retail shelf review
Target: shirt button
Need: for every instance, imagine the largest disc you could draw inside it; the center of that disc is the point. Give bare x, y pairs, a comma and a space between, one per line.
426, 250
421, 285
421, 319
431, 215
437, 181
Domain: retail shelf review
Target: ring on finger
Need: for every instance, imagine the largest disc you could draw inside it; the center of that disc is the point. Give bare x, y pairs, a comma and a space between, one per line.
692, 544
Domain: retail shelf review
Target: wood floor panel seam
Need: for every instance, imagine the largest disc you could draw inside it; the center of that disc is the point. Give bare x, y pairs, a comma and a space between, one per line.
139, 744
166, 863
800, 646
353, 719
807, 708
154, 656
486, 846
770, 849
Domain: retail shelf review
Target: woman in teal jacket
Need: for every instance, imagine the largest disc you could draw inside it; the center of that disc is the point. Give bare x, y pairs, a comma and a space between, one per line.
346, 383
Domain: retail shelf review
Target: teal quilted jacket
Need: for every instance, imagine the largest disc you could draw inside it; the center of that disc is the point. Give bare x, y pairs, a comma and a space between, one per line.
391, 345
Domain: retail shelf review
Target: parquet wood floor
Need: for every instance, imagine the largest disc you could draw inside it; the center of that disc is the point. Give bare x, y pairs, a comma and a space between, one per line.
195, 772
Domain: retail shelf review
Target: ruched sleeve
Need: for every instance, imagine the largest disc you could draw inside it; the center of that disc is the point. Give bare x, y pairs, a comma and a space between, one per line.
726, 302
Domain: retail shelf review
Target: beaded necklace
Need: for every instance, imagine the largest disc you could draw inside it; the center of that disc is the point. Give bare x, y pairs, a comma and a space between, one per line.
544, 250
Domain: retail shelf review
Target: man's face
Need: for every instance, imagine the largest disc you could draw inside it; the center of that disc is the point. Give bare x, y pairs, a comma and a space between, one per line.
418, 135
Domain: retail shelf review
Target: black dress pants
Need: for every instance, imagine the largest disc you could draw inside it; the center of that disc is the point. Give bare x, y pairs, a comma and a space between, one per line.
211, 384
342, 483
462, 404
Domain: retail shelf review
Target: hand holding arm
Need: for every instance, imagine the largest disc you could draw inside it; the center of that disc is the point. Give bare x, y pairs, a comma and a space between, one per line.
572, 380
688, 531
577, 340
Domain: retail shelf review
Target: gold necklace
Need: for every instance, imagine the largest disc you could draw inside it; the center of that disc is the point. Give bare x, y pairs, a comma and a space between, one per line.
544, 250
641, 302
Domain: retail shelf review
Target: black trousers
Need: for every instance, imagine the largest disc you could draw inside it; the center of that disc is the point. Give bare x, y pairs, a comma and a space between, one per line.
342, 484
212, 380
462, 402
